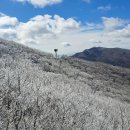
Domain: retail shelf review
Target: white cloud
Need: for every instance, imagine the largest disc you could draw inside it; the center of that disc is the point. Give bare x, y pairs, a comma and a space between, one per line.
8, 33
91, 26
95, 41
113, 23
40, 3
68, 35
7, 20
66, 44
45, 27
104, 8
122, 33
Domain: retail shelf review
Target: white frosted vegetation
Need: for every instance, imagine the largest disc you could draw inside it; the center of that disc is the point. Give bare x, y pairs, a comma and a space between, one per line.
39, 92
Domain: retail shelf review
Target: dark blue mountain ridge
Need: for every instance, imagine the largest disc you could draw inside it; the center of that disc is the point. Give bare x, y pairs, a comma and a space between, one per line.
113, 56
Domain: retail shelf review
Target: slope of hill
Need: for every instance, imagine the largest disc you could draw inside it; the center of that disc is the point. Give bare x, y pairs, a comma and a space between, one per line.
113, 56
39, 92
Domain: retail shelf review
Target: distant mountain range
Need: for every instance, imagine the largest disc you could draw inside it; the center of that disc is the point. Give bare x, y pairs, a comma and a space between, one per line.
113, 56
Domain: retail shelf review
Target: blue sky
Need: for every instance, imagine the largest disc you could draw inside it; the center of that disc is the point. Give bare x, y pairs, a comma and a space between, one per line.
83, 11
70, 25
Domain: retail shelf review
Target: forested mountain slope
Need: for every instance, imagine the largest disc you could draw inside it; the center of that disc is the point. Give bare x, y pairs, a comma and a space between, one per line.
113, 56
40, 92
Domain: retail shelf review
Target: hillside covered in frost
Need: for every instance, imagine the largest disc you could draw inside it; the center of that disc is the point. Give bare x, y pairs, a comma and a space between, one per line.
40, 92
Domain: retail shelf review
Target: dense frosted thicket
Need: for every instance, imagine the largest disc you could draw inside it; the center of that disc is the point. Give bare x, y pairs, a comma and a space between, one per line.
39, 92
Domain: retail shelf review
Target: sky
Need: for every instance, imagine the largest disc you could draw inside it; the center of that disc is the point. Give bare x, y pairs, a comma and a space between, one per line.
69, 25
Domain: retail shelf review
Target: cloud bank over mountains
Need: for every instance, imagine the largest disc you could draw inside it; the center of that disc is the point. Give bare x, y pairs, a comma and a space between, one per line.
46, 31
